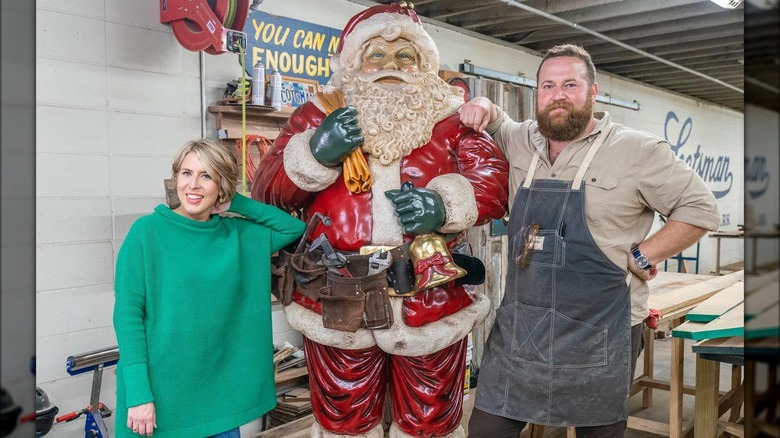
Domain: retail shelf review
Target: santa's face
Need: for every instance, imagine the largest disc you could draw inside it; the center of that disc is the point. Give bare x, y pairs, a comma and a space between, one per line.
381, 56
397, 100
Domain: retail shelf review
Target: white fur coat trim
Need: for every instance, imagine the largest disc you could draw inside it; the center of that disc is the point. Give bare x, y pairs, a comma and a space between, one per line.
310, 324
317, 431
303, 169
386, 228
399, 339
403, 340
460, 203
396, 432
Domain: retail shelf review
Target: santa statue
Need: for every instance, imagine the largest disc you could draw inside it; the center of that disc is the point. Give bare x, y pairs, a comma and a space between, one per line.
388, 178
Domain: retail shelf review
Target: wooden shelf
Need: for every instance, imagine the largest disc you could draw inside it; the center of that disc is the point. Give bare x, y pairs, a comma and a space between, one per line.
260, 119
290, 374
252, 111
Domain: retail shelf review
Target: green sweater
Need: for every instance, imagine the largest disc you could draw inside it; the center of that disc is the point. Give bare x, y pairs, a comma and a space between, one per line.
193, 318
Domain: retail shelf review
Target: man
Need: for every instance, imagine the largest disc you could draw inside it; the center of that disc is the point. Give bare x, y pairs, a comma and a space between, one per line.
583, 191
403, 120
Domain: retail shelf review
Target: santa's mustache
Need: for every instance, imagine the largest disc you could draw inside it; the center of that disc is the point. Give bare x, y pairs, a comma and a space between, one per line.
400, 75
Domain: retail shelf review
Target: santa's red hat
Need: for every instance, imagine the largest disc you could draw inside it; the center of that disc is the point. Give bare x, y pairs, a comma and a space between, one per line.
390, 21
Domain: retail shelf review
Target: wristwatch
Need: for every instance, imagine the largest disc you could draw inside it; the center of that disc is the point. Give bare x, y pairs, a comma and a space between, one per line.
640, 260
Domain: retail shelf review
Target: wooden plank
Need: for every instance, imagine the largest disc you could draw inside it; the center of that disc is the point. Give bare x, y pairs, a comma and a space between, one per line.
664, 386
758, 280
731, 323
758, 300
676, 371
718, 304
290, 374
732, 345
295, 429
766, 324
655, 427
763, 349
735, 429
691, 294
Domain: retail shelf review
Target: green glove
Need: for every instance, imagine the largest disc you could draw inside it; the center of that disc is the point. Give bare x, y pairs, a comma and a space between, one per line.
337, 136
421, 211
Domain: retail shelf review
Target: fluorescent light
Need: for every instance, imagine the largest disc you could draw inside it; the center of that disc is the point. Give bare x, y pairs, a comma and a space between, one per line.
727, 4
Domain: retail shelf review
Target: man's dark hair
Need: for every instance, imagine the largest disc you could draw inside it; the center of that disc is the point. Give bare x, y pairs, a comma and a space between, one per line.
574, 51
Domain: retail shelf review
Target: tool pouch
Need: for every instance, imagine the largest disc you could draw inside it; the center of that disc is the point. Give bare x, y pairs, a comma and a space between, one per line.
282, 284
355, 302
308, 274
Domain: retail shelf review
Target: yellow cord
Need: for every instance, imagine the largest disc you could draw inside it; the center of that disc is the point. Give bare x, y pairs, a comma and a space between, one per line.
242, 61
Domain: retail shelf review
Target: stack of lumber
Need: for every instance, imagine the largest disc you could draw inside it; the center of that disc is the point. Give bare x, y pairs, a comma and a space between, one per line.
762, 306
749, 308
721, 314
675, 295
290, 406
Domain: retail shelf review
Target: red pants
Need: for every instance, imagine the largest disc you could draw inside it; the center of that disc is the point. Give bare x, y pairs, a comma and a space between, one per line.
348, 388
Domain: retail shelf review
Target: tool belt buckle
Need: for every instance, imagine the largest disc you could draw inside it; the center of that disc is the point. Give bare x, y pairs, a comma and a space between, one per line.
370, 249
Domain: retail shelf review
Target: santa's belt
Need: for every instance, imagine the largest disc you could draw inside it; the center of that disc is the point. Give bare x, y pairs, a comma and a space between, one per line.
400, 274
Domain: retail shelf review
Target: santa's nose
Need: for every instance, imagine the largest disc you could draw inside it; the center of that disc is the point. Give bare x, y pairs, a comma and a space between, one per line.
390, 65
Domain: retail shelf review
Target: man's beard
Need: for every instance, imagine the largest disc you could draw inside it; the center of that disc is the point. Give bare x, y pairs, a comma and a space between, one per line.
564, 126
397, 119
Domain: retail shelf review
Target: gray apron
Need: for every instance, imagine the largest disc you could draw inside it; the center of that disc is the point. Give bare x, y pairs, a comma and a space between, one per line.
559, 353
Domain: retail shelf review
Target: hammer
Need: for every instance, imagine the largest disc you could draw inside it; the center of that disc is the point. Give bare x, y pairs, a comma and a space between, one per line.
310, 227
332, 259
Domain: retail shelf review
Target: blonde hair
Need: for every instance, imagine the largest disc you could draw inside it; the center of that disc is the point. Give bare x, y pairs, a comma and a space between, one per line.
218, 162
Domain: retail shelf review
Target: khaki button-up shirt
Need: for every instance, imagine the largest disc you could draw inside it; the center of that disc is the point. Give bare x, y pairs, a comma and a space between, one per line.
633, 175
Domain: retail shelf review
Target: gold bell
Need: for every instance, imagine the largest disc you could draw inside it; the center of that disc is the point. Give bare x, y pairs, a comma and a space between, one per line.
433, 265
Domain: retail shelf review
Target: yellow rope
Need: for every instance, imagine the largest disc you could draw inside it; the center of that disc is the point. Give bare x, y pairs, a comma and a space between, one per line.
242, 61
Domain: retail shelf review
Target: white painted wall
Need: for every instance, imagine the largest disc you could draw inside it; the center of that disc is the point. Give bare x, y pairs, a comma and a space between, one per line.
762, 147
116, 98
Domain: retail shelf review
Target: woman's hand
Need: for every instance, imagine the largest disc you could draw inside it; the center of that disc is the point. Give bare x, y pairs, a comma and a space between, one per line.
221, 207
142, 419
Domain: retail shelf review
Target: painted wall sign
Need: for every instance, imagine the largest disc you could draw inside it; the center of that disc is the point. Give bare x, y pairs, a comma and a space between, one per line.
295, 48
714, 170
756, 176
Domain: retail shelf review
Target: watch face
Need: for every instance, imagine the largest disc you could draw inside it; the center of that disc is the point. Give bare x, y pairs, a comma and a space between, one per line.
641, 262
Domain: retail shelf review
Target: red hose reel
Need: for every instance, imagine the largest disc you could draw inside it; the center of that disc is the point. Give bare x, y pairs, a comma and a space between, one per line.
214, 26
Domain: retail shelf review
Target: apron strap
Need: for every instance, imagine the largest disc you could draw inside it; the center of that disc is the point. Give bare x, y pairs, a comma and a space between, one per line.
531, 170
577, 183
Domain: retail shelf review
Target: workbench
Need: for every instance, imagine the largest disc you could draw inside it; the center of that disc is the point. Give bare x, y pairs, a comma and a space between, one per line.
674, 294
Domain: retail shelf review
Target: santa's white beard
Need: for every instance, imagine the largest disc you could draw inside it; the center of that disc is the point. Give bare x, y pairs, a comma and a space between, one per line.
397, 119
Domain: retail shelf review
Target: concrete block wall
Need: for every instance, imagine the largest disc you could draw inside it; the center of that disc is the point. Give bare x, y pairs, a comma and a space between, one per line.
116, 98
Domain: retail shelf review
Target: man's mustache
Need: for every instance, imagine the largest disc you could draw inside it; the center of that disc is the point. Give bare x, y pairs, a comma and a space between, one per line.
559, 105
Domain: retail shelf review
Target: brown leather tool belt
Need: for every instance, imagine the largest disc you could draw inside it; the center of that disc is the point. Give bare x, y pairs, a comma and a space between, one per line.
361, 300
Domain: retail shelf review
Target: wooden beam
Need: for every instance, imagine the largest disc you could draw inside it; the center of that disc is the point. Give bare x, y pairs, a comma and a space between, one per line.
692, 294
705, 421
295, 429
766, 324
718, 304
731, 323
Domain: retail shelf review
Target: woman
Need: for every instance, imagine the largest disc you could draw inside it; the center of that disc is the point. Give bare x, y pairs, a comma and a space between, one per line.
193, 305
